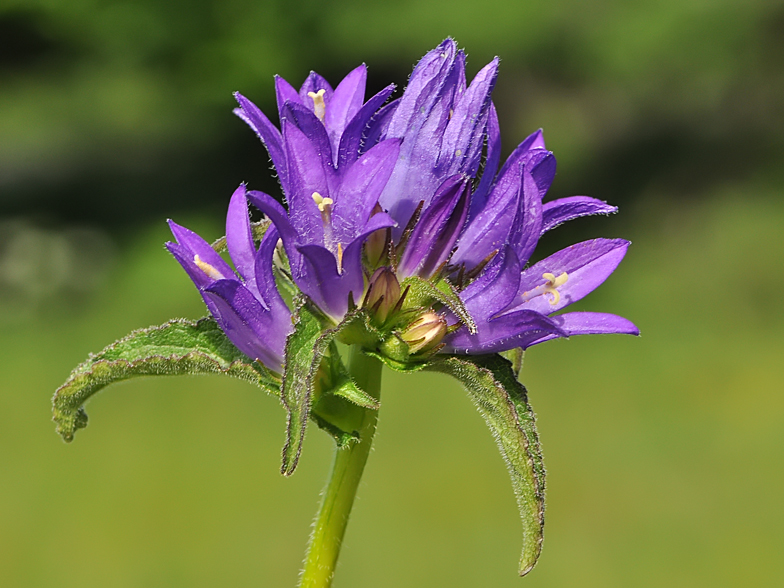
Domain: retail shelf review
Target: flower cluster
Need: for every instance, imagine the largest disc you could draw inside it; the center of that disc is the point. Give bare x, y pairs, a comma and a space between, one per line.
381, 193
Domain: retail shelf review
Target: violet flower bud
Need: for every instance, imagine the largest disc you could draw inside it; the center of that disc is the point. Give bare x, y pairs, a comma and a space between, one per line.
383, 294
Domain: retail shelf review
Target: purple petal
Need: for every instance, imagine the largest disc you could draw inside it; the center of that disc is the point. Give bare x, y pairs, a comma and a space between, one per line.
361, 187
415, 178
285, 93
254, 330
380, 220
495, 288
533, 141
324, 285
490, 229
277, 214
493, 158
198, 277
239, 238
195, 245
423, 86
351, 141
559, 211
265, 278
437, 230
594, 323
266, 131
378, 127
590, 323
345, 103
313, 83
587, 265
305, 121
522, 152
501, 334
542, 164
528, 222
461, 149
306, 176
460, 62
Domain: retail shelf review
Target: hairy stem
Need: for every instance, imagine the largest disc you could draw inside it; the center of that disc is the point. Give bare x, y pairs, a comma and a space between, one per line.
332, 518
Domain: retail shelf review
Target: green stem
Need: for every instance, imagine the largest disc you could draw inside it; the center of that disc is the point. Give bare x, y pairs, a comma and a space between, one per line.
332, 518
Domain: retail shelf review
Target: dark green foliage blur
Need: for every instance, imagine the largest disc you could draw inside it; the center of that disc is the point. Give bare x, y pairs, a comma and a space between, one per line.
664, 453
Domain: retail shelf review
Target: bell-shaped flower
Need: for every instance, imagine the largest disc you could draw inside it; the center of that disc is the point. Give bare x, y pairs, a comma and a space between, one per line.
327, 223
512, 308
337, 121
248, 306
349, 169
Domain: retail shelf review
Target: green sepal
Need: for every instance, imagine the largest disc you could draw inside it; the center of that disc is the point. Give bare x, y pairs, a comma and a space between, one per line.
306, 347
408, 367
178, 347
424, 293
503, 402
516, 357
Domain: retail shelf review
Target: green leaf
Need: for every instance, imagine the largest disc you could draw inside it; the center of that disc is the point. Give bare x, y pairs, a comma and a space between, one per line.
344, 385
503, 402
338, 402
174, 348
423, 293
305, 349
394, 364
516, 357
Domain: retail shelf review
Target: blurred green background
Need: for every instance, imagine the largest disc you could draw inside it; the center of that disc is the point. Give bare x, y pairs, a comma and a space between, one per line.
664, 453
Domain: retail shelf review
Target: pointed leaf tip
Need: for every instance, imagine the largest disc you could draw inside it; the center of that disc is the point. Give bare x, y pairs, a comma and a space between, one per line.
178, 347
503, 402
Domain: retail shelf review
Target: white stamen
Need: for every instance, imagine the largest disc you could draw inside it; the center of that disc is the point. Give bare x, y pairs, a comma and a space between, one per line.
324, 206
208, 269
319, 108
549, 287
340, 258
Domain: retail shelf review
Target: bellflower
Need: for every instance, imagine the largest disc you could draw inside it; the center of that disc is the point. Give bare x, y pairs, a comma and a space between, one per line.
401, 236
351, 170
331, 189
247, 307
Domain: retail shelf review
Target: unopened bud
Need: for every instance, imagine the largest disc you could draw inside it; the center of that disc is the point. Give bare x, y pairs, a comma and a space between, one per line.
425, 333
383, 293
377, 243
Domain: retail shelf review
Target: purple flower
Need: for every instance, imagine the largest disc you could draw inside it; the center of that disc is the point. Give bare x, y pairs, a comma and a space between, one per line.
248, 308
444, 126
353, 171
331, 188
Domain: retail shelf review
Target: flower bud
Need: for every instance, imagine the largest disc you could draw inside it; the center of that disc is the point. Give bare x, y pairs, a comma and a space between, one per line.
425, 333
383, 294
377, 243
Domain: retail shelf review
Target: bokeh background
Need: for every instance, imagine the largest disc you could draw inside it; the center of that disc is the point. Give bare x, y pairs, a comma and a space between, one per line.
665, 453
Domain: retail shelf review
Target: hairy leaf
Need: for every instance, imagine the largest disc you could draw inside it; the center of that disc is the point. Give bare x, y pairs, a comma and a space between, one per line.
305, 349
175, 348
503, 402
344, 385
